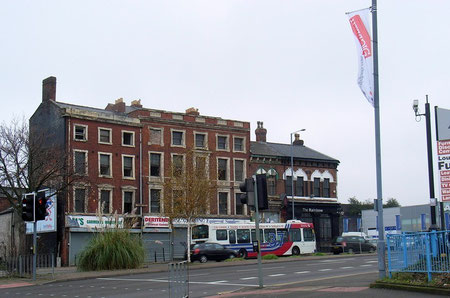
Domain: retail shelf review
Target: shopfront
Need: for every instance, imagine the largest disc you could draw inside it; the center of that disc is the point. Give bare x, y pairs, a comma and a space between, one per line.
324, 216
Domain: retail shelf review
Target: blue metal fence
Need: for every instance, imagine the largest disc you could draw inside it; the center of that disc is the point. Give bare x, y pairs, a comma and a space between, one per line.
426, 252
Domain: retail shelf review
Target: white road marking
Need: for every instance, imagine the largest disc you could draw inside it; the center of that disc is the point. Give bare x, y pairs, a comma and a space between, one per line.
302, 272
165, 281
325, 269
192, 275
268, 268
372, 262
279, 274
246, 278
367, 265
220, 281
346, 267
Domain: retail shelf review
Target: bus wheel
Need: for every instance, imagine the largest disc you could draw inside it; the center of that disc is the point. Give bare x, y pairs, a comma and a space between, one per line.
242, 253
295, 251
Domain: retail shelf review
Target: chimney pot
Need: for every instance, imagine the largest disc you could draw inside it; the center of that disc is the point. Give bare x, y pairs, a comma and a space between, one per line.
49, 89
260, 132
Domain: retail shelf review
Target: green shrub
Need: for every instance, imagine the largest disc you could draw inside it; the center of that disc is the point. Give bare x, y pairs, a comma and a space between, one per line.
234, 260
319, 254
270, 257
112, 249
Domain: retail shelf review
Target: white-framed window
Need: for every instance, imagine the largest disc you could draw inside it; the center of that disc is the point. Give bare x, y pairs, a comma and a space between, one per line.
79, 199
128, 200
105, 199
177, 164
223, 203
80, 132
222, 143
238, 144
128, 166
104, 135
80, 162
201, 164
223, 169
155, 200
156, 164
178, 138
156, 136
127, 138
200, 140
239, 170
104, 164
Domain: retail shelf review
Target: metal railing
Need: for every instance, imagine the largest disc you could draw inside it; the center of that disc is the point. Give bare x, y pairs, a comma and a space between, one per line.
425, 252
22, 265
178, 280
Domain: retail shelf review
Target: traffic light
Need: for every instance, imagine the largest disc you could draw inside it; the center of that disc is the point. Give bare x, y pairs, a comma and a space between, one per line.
41, 205
248, 189
261, 184
27, 207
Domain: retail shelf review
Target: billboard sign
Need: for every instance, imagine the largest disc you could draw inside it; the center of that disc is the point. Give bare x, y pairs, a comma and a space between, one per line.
49, 223
442, 124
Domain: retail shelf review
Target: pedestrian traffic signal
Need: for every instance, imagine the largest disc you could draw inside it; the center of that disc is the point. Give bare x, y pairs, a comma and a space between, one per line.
261, 185
248, 189
41, 205
28, 207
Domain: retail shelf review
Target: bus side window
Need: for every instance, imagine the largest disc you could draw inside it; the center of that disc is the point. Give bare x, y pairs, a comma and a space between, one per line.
269, 235
260, 235
221, 234
282, 235
232, 236
295, 235
243, 236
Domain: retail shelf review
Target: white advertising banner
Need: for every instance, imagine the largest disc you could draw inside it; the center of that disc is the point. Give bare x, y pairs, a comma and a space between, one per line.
49, 223
93, 222
443, 153
361, 30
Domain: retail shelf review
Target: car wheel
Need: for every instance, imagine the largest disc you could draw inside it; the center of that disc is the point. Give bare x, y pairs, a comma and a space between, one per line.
203, 259
231, 256
242, 253
336, 252
295, 251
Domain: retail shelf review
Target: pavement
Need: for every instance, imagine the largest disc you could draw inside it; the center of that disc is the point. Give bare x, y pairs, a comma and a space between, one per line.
351, 285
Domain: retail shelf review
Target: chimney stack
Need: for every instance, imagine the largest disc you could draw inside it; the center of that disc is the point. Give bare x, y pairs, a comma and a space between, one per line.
49, 89
192, 111
260, 132
297, 141
118, 106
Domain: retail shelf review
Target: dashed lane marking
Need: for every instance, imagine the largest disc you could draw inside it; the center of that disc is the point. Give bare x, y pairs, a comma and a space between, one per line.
275, 275
247, 278
346, 267
325, 270
302, 272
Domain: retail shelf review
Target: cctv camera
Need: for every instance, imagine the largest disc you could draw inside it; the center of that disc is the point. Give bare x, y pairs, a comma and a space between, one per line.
416, 105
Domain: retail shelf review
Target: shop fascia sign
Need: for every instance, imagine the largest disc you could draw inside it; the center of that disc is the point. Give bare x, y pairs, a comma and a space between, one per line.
93, 222
163, 222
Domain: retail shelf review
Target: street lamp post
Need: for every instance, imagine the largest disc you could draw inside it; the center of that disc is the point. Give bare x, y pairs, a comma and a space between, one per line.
292, 171
430, 157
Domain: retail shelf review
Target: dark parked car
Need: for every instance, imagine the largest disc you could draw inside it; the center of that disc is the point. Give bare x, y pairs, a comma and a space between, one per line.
351, 244
211, 251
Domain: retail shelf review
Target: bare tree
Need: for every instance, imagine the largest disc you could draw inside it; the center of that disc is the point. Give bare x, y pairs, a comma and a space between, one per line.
29, 163
188, 190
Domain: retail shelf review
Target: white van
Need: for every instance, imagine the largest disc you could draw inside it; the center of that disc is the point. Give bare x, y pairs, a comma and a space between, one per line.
362, 234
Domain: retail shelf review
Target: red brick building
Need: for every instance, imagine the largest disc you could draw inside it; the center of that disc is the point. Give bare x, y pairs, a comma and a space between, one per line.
315, 184
122, 154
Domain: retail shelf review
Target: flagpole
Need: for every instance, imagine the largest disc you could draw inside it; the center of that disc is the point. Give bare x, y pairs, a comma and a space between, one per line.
381, 242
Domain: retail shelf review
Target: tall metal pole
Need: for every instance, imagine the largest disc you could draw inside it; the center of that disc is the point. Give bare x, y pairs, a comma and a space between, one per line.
292, 178
260, 276
430, 166
381, 243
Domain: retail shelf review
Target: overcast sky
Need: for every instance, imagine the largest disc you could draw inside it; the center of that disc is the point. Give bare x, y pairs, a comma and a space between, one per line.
290, 64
